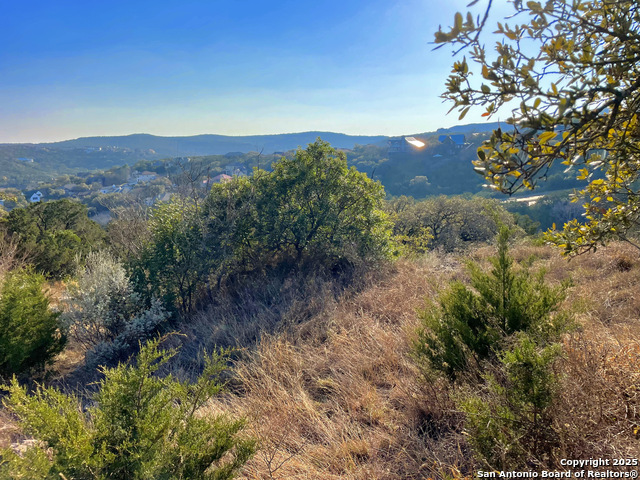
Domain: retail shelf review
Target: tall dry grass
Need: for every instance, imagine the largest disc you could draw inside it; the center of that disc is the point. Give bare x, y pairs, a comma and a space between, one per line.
329, 387
338, 396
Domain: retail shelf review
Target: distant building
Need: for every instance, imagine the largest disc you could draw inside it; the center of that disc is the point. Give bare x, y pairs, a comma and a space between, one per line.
405, 145
457, 141
25, 160
36, 197
222, 178
235, 169
146, 177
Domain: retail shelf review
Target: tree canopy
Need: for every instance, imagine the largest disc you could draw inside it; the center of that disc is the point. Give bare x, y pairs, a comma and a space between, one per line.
569, 69
54, 234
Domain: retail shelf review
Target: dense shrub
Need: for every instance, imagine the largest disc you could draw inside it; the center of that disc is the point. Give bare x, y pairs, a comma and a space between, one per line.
142, 426
311, 213
30, 333
54, 235
173, 263
310, 210
105, 315
470, 325
510, 421
502, 333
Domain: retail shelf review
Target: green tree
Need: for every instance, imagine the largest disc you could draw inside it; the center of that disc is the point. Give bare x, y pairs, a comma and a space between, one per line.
142, 426
446, 222
54, 235
310, 210
172, 265
30, 333
569, 69
510, 424
316, 208
471, 325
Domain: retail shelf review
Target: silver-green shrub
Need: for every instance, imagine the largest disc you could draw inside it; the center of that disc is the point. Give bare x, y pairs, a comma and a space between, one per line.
105, 315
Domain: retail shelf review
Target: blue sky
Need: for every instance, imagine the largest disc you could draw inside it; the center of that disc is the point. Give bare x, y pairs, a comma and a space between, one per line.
80, 68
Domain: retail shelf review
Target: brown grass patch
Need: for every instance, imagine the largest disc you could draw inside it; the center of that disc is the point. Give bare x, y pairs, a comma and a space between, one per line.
346, 401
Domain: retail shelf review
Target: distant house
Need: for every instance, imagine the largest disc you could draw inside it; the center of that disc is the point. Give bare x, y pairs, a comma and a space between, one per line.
146, 177
457, 141
36, 197
235, 169
25, 160
405, 144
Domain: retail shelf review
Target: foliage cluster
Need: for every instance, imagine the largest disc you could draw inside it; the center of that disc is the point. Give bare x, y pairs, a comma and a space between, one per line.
505, 325
104, 315
309, 211
576, 93
444, 222
141, 426
54, 235
30, 334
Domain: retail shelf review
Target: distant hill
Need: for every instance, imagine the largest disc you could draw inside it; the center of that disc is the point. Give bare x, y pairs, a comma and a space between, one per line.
474, 128
24, 164
217, 144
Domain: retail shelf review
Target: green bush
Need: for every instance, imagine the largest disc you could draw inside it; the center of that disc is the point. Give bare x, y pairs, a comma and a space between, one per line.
142, 426
503, 331
510, 424
470, 325
54, 235
309, 213
311, 210
173, 263
30, 333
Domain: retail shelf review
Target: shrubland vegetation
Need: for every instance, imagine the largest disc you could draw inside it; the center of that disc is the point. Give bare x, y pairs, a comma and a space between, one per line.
379, 338
318, 278
141, 426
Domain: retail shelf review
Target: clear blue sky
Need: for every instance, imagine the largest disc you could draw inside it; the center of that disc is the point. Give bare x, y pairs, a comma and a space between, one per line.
80, 68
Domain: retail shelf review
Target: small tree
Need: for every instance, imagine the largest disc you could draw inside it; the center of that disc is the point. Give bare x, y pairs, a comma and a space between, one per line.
143, 426
510, 424
30, 333
310, 210
473, 324
172, 265
54, 235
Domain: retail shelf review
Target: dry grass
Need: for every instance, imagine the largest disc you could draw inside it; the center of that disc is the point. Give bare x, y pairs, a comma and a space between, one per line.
331, 392
345, 401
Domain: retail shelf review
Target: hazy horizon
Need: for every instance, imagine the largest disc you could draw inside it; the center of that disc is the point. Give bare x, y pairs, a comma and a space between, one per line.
78, 69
